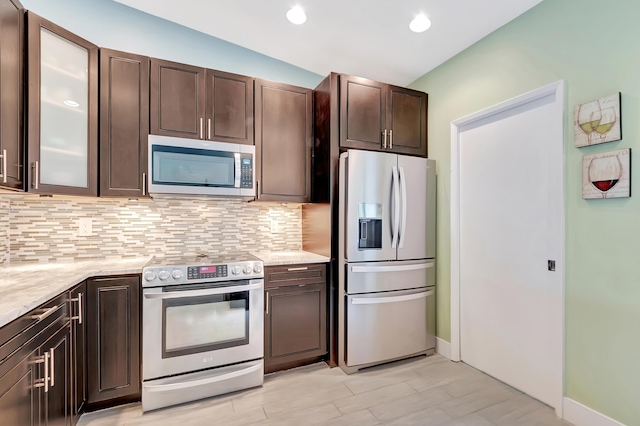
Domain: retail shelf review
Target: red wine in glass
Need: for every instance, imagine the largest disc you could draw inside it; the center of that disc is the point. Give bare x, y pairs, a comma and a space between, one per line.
605, 185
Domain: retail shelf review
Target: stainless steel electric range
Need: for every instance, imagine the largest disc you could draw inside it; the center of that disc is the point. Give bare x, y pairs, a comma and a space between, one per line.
202, 327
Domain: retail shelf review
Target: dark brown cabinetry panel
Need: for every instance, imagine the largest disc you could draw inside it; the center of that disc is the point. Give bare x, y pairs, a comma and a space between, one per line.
19, 398
11, 94
284, 134
382, 117
295, 315
55, 405
229, 107
124, 123
113, 340
407, 121
77, 310
363, 106
177, 99
66, 148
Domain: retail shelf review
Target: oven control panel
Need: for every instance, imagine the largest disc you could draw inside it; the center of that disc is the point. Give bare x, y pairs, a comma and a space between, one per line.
210, 271
182, 274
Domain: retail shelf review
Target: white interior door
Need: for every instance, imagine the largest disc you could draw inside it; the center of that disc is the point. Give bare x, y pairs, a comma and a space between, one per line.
510, 194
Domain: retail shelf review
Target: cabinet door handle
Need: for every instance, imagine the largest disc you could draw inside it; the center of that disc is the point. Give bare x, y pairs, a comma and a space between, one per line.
4, 166
258, 189
390, 139
267, 304
384, 139
79, 300
209, 129
303, 268
144, 184
45, 380
201, 131
36, 175
52, 351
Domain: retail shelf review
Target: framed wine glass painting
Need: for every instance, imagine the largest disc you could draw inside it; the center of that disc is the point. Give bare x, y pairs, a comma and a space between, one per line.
607, 174
597, 121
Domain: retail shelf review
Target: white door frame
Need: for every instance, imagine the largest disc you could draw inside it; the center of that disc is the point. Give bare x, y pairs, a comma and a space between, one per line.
556, 89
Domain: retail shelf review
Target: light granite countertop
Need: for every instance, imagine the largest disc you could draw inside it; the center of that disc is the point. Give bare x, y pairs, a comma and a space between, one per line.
25, 286
271, 258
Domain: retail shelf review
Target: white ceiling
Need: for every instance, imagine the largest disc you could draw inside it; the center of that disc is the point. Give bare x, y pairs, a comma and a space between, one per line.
368, 38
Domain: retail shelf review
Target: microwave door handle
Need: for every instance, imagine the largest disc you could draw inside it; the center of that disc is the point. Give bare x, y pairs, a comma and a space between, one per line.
205, 292
238, 171
403, 185
396, 206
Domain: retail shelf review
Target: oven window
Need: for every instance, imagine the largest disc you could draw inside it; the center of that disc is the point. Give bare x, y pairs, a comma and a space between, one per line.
205, 323
196, 167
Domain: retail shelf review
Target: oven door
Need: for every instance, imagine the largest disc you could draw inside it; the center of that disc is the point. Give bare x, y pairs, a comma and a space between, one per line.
193, 327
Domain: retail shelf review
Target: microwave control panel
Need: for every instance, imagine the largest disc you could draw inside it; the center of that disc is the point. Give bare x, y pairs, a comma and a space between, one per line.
246, 171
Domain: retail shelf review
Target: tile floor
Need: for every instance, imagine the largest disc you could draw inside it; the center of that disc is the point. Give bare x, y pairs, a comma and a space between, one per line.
419, 391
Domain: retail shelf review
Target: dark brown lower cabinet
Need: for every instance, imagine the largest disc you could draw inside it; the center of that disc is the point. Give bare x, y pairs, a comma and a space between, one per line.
55, 408
113, 340
78, 299
19, 398
295, 316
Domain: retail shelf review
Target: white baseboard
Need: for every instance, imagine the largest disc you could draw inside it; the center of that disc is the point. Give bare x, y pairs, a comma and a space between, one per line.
443, 348
581, 415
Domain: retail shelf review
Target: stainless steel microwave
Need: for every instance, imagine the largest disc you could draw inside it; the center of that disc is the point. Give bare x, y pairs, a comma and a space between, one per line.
189, 166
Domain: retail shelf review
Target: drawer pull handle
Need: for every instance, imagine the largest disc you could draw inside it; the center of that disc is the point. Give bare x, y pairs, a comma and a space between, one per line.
45, 313
303, 268
79, 300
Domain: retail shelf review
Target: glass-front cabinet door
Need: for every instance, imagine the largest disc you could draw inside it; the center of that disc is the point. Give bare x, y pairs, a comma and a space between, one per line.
63, 110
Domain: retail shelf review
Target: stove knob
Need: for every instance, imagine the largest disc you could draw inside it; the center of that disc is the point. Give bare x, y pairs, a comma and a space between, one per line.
235, 270
247, 268
176, 274
163, 275
149, 276
257, 268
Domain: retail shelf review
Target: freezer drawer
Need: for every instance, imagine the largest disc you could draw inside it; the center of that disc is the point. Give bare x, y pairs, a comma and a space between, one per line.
388, 326
368, 277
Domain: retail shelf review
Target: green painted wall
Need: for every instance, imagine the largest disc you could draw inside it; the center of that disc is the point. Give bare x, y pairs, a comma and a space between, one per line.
594, 47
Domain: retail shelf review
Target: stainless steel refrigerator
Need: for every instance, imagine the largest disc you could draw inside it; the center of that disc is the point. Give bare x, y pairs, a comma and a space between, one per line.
386, 258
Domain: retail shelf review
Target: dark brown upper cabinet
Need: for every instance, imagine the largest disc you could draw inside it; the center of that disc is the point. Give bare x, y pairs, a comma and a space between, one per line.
381, 117
229, 107
11, 94
124, 123
193, 102
62, 110
284, 136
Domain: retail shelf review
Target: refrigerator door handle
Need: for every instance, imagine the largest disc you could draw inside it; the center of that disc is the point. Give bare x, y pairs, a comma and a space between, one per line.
403, 185
392, 299
396, 204
397, 268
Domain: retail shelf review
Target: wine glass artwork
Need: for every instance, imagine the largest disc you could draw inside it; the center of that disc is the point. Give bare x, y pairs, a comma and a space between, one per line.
607, 174
598, 121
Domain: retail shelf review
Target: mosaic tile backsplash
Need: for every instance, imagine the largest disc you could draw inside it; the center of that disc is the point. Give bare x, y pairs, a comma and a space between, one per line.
44, 229
4, 230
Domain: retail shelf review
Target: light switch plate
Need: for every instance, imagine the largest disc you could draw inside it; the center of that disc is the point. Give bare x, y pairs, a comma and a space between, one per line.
85, 227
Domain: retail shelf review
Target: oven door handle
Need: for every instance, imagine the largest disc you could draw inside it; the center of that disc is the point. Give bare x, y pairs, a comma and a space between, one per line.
204, 292
200, 382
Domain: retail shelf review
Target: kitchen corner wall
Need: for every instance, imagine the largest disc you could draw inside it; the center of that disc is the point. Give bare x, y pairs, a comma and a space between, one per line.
42, 229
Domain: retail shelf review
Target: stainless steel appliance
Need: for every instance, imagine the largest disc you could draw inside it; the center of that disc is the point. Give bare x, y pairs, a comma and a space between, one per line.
203, 331
188, 166
386, 258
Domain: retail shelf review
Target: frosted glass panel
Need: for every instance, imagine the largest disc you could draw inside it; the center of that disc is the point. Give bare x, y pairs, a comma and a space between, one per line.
64, 111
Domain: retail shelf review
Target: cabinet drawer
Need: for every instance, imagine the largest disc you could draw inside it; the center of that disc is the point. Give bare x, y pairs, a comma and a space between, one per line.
21, 330
298, 274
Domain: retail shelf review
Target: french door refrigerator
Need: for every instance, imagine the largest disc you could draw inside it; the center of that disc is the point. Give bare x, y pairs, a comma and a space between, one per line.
386, 258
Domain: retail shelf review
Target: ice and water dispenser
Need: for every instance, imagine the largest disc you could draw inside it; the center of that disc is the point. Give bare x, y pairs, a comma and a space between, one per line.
370, 226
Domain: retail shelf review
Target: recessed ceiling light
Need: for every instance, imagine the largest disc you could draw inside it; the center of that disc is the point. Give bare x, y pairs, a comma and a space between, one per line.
71, 103
296, 15
420, 24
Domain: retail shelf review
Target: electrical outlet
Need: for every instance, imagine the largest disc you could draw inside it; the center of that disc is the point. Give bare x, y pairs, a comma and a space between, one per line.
85, 227
274, 226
